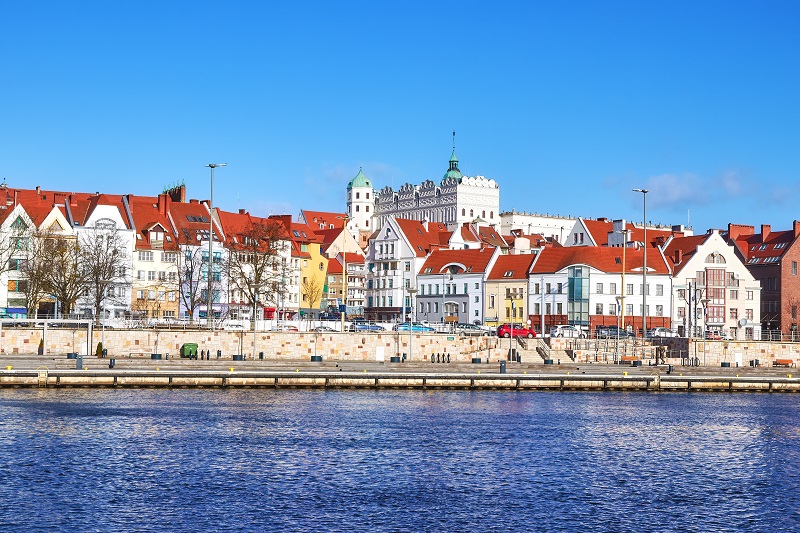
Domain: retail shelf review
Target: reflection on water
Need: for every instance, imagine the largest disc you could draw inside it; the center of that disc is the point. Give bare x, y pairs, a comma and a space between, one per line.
316, 460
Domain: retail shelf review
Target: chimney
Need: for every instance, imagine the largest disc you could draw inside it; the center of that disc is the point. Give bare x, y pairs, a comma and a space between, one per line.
765, 229
737, 230
242, 211
162, 204
193, 201
38, 189
796, 228
678, 256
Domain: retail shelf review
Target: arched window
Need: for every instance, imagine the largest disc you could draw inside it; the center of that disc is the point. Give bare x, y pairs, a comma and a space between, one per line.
471, 213
483, 214
367, 209
715, 257
463, 211
491, 214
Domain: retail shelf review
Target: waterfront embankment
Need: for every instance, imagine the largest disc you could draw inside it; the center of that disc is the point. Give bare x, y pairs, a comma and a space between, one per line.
132, 372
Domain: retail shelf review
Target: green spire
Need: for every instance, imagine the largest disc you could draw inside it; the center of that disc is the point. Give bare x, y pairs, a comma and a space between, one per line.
359, 181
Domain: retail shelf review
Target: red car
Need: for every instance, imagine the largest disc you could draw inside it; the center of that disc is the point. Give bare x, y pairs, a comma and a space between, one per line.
518, 331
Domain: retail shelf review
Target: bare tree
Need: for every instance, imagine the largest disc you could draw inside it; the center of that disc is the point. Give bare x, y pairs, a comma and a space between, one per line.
35, 264
312, 291
105, 262
191, 280
255, 268
65, 273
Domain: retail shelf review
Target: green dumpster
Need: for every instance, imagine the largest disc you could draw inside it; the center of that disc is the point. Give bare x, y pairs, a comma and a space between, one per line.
189, 349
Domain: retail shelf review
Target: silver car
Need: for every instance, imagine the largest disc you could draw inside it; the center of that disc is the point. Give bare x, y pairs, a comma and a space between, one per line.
567, 331
471, 330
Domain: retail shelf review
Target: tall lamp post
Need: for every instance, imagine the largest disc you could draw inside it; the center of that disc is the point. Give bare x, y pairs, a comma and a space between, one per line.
644, 270
411, 292
210, 298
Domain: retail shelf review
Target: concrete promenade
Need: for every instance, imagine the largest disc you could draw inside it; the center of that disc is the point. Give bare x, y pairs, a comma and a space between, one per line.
24, 370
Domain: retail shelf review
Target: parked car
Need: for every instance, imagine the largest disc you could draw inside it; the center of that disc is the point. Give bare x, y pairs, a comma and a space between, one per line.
567, 331
610, 332
471, 330
713, 335
416, 326
285, 328
364, 326
661, 332
505, 330
323, 328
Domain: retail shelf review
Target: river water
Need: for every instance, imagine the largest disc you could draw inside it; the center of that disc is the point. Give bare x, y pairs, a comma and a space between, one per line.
349, 460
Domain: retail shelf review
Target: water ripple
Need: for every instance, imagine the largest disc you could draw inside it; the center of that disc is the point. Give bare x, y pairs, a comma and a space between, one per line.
296, 460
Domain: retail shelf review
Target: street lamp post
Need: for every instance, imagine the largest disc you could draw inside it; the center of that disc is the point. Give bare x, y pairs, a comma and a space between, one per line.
103, 318
411, 292
644, 269
209, 299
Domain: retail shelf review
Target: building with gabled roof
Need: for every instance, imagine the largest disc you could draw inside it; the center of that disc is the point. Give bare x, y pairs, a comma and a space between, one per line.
772, 258
712, 287
192, 227
506, 290
394, 256
587, 286
451, 285
155, 292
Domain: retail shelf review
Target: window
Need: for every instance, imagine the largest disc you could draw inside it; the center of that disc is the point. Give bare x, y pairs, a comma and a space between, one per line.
629, 309
734, 294
659, 290
612, 288
465, 288
749, 295
535, 288
477, 299
599, 290
598, 309
145, 256
748, 314
659, 310
168, 257
794, 268
734, 313
560, 288
681, 312
559, 308
629, 288
612, 309
491, 301
151, 275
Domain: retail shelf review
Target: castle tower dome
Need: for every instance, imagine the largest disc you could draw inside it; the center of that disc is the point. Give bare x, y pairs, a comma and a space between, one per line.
360, 203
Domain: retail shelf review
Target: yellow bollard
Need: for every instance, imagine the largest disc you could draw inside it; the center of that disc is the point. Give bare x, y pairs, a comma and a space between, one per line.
365, 370
568, 373
9, 367
788, 375
157, 369
296, 369
231, 369
624, 373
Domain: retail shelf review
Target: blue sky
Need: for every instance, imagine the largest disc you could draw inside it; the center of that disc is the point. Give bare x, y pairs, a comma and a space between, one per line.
568, 105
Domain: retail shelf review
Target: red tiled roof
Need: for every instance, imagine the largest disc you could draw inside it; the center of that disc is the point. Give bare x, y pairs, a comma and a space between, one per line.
517, 265
422, 241
755, 248
473, 261
605, 259
323, 219
687, 247
598, 230
147, 216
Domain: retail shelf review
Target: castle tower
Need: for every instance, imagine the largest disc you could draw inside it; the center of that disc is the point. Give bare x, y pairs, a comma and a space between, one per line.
360, 203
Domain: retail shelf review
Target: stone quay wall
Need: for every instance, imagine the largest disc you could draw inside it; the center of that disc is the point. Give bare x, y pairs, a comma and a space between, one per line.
275, 345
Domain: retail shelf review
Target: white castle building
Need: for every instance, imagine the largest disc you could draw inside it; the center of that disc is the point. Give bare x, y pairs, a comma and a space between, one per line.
455, 200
